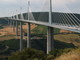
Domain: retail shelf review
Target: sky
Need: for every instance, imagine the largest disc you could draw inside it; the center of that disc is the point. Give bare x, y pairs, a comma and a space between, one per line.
12, 7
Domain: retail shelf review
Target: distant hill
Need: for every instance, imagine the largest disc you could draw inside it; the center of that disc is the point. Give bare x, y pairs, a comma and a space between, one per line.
3, 22
57, 17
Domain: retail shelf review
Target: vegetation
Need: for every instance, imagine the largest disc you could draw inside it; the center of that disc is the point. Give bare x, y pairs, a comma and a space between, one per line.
74, 54
69, 38
27, 54
33, 54
13, 43
40, 45
43, 30
65, 45
3, 22
3, 48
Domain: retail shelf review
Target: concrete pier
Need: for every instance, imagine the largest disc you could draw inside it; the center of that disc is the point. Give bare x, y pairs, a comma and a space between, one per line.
28, 36
21, 37
50, 41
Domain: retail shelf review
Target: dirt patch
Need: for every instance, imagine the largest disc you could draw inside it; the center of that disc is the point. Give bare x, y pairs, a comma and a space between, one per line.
65, 31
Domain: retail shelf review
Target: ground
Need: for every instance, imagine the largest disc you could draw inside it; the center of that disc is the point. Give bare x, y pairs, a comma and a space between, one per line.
8, 32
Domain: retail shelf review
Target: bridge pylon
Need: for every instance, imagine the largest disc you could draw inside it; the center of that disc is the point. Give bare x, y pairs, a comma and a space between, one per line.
50, 40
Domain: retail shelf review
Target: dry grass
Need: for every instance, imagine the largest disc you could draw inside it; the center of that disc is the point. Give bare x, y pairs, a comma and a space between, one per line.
73, 55
7, 31
65, 37
8, 38
68, 38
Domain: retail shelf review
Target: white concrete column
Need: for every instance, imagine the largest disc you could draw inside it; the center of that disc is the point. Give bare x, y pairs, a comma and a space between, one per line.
21, 37
50, 41
28, 36
13, 26
16, 28
17, 24
10, 23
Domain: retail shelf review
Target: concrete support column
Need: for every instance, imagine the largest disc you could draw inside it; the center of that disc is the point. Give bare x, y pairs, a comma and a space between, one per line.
13, 26
16, 28
9, 23
21, 37
28, 36
50, 41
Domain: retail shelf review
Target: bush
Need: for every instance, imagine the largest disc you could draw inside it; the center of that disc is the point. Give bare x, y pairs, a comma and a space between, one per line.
27, 54
58, 52
49, 57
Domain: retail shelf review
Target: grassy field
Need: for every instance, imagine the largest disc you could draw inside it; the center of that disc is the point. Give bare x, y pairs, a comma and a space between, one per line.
2, 38
61, 42
69, 38
43, 30
74, 54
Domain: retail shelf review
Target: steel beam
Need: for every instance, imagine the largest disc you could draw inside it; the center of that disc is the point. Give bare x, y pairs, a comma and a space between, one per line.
50, 41
28, 36
21, 37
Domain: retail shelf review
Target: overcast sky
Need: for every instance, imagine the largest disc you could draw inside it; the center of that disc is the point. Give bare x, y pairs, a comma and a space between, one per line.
9, 7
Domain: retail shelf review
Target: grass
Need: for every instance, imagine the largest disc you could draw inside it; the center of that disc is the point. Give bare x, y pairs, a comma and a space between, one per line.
74, 54
14, 44
69, 38
2, 38
43, 30
62, 41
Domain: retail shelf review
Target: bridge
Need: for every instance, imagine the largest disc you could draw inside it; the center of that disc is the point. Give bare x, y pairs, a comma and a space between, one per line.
66, 21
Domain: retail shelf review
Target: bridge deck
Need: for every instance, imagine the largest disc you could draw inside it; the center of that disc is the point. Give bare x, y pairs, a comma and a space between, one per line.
73, 28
